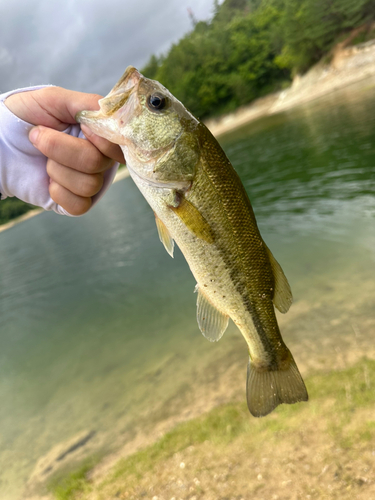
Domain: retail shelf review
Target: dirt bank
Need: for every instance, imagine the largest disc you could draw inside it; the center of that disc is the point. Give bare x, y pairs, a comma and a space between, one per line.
347, 65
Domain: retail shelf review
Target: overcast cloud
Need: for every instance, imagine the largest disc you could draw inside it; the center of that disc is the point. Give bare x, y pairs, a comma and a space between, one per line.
86, 44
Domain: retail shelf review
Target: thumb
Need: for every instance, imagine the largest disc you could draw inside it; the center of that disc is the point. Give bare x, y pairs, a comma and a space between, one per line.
52, 107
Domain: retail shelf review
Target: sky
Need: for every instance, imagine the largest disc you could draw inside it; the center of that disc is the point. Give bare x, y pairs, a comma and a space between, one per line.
86, 45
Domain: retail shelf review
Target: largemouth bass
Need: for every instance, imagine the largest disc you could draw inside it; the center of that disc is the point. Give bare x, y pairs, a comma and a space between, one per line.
200, 203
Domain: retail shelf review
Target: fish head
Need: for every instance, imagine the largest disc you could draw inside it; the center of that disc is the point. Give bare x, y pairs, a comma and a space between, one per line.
155, 131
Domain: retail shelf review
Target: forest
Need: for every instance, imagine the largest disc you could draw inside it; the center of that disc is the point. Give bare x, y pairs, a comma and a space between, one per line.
253, 47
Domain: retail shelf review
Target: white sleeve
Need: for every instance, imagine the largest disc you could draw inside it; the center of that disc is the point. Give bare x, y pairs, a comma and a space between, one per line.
23, 167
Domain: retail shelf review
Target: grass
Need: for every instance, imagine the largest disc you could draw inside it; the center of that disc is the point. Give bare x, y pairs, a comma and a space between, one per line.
66, 487
340, 412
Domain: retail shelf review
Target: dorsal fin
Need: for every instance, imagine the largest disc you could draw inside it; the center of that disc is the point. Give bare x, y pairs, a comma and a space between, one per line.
282, 297
211, 321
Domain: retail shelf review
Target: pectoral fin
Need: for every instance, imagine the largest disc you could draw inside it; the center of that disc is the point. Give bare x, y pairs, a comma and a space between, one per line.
164, 236
194, 220
282, 297
211, 321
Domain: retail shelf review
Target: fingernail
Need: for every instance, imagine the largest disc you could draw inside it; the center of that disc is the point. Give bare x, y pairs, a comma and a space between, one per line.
33, 135
85, 129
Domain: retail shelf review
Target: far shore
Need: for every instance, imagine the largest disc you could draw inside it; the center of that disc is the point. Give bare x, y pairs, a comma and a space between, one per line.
348, 66
21, 218
122, 173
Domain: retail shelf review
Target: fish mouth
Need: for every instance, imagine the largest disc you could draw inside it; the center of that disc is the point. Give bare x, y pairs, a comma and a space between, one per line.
121, 92
129, 79
112, 102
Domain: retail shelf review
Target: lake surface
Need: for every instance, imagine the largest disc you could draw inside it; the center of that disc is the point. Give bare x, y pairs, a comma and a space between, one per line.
98, 339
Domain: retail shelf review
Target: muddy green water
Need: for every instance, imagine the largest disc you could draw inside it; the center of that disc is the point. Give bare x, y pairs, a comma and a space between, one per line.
97, 323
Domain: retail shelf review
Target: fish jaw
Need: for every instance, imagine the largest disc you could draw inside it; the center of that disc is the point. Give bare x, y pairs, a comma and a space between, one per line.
129, 79
101, 125
116, 109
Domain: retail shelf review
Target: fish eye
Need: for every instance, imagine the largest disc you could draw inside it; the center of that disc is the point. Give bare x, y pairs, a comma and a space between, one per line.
156, 102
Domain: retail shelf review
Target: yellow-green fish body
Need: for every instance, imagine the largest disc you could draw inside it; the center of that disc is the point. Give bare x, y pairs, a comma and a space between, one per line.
201, 204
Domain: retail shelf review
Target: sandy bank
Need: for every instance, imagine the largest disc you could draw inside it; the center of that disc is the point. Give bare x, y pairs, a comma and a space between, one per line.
348, 66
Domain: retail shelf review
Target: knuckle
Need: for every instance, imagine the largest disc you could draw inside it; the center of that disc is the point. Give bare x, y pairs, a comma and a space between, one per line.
75, 205
49, 91
93, 161
92, 184
79, 206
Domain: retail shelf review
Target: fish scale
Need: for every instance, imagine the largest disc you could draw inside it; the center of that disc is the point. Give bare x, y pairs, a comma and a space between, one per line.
200, 203
239, 243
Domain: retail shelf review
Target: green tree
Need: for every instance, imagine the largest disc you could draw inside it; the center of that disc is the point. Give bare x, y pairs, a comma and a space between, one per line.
311, 27
151, 68
250, 47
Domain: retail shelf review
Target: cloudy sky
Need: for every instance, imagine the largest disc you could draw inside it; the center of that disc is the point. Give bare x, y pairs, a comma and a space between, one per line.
86, 44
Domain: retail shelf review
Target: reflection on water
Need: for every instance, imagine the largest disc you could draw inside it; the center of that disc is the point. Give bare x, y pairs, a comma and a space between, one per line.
98, 329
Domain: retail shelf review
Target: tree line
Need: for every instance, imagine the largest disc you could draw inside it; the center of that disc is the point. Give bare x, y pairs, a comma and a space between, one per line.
248, 49
253, 47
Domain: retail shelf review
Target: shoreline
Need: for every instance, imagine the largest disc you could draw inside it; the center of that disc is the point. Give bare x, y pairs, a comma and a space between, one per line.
348, 66
339, 351
188, 461
28, 215
122, 173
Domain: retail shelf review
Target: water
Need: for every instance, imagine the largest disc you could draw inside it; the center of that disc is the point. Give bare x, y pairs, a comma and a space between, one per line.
98, 333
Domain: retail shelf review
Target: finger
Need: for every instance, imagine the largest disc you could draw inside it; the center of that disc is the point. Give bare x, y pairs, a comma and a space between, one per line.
70, 151
75, 205
53, 107
85, 185
107, 148
66, 103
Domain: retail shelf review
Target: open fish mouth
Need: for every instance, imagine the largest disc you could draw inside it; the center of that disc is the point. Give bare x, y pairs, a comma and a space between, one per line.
117, 97
98, 121
129, 79
121, 92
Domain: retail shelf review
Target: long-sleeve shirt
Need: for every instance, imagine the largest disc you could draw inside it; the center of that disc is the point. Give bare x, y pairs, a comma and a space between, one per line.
23, 167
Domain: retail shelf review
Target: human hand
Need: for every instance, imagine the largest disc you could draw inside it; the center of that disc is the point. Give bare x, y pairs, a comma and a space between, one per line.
75, 166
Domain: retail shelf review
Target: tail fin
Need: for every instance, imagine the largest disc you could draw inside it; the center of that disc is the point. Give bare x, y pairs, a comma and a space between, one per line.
266, 389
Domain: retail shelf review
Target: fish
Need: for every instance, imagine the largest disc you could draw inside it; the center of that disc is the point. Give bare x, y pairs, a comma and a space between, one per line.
200, 204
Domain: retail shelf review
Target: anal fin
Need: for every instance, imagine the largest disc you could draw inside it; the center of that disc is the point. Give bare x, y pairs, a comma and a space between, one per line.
164, 236
212, 323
